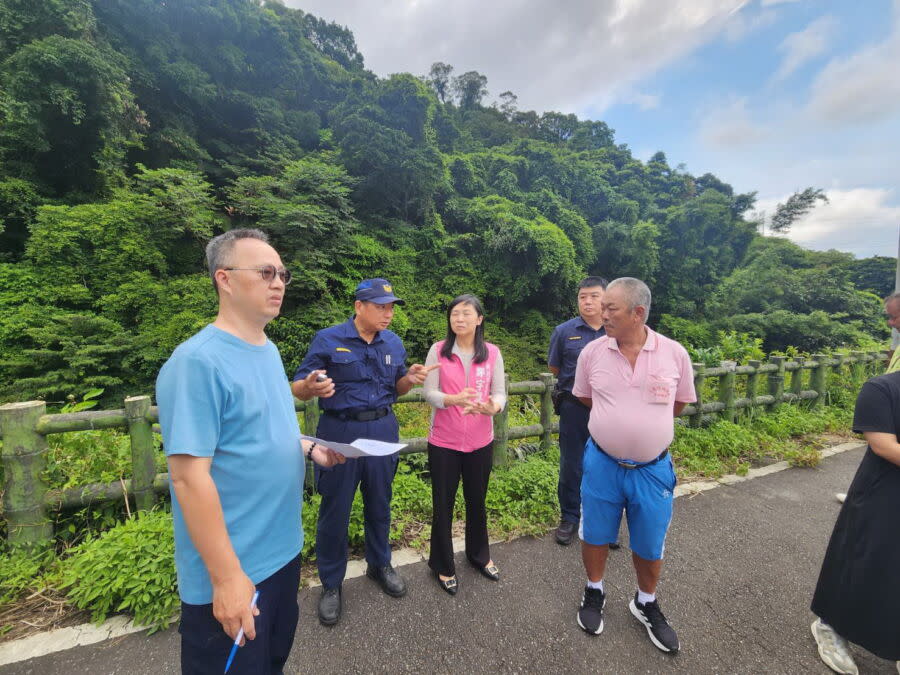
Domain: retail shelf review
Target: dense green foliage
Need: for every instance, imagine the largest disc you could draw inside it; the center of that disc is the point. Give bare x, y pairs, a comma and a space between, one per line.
133, 130
129, 568
23, 570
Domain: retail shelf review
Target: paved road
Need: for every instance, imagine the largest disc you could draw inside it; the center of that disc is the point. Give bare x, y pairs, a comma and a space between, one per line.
740, 570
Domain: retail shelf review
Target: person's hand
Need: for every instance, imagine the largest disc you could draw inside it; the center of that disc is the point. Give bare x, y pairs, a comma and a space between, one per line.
464, 397
326, 456
488, 407
321, 388
231, 605
417, 372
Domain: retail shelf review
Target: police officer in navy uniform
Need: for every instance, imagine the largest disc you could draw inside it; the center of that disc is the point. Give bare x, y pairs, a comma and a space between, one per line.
566, 343
365, 368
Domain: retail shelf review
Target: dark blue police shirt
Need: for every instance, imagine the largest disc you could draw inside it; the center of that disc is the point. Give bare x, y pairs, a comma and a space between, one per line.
566, 343
365, 374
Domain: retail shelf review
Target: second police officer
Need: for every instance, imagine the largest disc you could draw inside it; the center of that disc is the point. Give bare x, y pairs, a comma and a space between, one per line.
566, 343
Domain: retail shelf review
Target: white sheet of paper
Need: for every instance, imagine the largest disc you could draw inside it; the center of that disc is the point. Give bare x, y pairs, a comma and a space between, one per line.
361, 447
377, 448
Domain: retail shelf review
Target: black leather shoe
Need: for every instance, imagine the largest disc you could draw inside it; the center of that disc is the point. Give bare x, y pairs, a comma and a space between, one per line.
450, 585
330, 606
490, 571
389, 580
565, 533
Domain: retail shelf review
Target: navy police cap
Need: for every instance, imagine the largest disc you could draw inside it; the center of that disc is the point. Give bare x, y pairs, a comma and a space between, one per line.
378, 291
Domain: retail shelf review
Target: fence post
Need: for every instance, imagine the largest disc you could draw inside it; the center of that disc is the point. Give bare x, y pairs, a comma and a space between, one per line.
726, 389
310, 424
776, 382
752, 380
24, 455
501, 431
818, 379
143, 460
858, 368
837, 364
546, 411
696, 419
310, 416
875, 364
797, 377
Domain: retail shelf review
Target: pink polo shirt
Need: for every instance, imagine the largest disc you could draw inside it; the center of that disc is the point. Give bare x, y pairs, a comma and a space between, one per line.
632, 410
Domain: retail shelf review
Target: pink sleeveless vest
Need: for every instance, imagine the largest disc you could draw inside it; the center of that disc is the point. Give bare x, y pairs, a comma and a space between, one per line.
450, 428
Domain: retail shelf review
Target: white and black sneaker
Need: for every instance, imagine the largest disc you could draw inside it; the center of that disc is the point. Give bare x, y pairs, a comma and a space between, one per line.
590, 616
661, 633
833, 649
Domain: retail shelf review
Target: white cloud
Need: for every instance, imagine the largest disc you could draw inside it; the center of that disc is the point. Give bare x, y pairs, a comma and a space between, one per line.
730, 126
803, 46
863, 221
744, 23
769, 3
862, 88
569, 57
641, 100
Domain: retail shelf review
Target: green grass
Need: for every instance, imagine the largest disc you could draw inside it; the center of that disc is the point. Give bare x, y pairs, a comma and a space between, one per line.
733, 447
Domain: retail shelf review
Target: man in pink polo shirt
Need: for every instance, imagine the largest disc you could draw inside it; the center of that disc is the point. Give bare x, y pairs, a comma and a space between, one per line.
635, 382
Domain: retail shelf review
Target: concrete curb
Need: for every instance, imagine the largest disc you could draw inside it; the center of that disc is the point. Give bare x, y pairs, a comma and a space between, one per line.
87, 634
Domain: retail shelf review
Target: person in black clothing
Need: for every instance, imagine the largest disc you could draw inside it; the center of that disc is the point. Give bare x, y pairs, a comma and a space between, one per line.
858, 589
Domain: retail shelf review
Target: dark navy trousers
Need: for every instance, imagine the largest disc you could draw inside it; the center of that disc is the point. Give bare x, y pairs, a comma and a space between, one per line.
374, 476
573, 435
205, 645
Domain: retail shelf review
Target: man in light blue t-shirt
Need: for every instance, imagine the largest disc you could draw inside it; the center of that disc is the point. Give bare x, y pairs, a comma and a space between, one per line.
236, 467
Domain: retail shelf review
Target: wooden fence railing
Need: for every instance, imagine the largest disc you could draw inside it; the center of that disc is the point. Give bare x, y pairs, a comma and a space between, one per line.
28, 500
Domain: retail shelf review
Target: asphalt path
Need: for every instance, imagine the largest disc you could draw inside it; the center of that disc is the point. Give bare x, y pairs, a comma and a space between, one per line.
741, 565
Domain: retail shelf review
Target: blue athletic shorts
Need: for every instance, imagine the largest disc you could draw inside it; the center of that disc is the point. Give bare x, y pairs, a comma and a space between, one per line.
645, 493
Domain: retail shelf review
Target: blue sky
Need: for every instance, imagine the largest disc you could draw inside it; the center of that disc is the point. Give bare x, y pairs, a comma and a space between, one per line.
770, 95
737, 106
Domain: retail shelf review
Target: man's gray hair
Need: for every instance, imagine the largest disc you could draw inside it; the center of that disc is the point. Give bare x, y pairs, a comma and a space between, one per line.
218, 250
636, 291
893, 297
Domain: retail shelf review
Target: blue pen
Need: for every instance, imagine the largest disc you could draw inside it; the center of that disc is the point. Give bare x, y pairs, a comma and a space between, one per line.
237, 640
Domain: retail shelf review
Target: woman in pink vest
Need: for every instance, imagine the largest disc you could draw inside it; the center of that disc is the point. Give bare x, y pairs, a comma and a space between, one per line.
466, 392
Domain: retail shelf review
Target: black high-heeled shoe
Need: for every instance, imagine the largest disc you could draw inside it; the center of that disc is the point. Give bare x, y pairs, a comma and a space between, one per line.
450, 585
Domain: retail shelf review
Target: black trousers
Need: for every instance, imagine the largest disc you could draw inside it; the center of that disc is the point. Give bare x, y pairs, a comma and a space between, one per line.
573, 434
446, 467
205, 645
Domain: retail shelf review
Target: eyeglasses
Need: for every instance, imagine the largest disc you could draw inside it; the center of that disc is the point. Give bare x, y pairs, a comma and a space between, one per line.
267, 272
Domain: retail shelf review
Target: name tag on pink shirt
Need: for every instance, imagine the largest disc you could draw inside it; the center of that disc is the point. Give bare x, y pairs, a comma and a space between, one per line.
658, 389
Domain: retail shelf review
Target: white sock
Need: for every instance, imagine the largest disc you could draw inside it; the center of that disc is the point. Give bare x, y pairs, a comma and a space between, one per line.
595, 584
644, 598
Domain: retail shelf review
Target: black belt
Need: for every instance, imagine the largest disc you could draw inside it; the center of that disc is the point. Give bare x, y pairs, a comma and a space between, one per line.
358, 416
632, 465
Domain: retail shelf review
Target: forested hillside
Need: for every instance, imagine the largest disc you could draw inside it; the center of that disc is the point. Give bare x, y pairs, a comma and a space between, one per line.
133, 130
